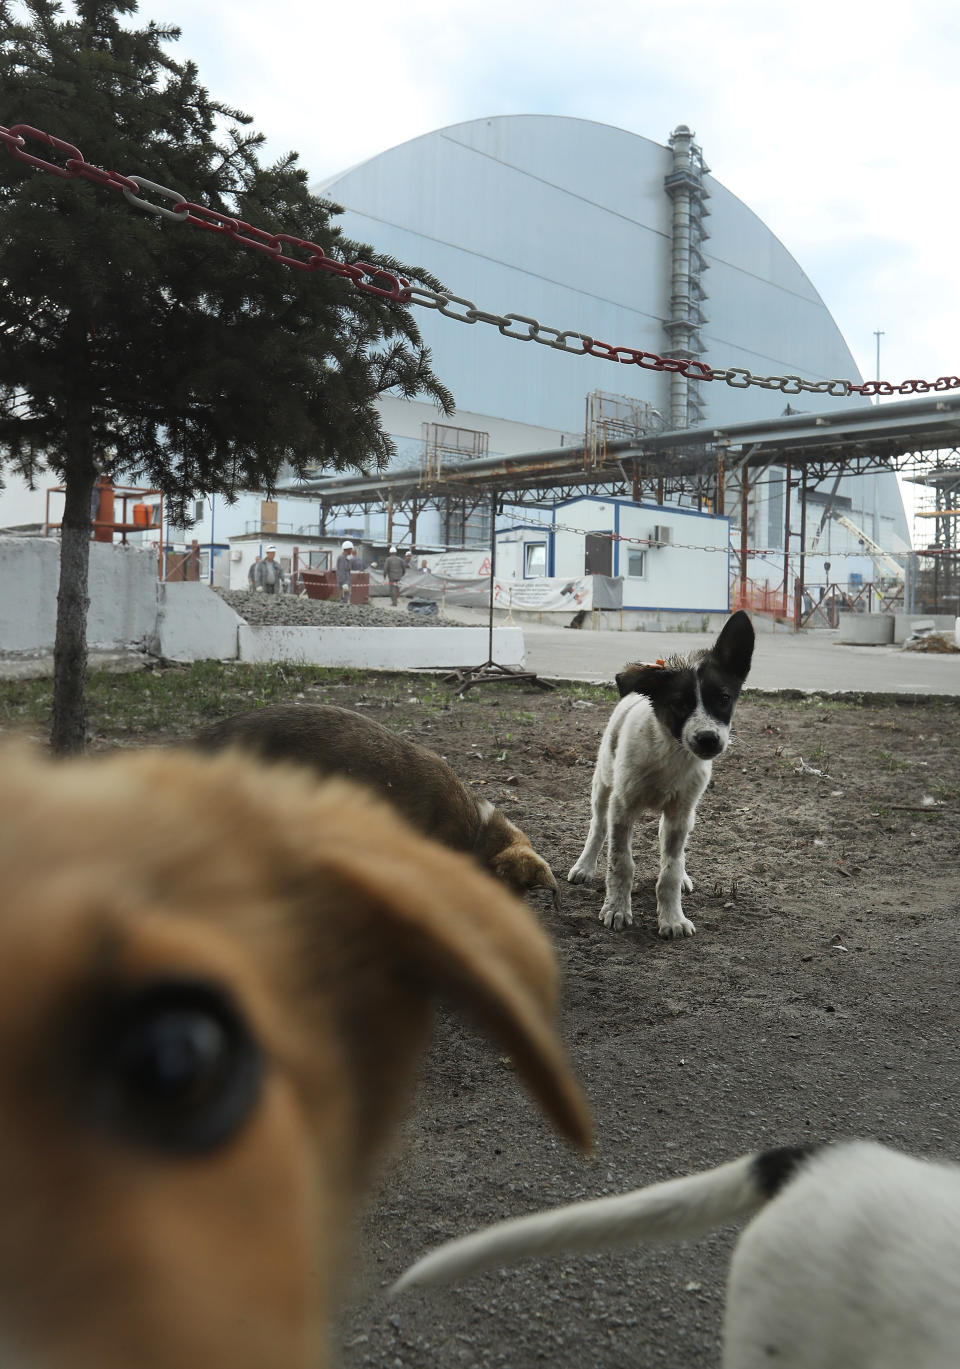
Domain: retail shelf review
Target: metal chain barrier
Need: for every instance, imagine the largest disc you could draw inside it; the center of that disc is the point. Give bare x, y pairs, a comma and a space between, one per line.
375, 280
640, 541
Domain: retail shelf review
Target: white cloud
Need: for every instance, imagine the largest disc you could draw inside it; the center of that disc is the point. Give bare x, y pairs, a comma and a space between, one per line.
832, 121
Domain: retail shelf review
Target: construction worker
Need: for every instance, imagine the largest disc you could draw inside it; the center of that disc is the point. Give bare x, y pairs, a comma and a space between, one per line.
394, 569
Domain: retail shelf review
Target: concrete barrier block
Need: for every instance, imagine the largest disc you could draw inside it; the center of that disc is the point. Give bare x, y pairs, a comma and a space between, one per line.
122, 584
381, 648
866, 629
123, 595
942, 622
194, 624
30, 573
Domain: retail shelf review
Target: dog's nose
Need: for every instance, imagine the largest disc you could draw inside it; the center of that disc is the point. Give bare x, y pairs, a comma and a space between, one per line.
707, 744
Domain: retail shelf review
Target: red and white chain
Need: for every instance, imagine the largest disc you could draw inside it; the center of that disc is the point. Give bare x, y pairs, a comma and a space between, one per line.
375, 280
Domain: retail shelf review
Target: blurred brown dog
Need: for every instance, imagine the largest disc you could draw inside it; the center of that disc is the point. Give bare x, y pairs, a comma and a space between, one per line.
338, 741
216, 984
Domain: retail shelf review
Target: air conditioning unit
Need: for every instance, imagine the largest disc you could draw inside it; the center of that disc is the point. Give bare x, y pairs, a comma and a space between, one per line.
661, 536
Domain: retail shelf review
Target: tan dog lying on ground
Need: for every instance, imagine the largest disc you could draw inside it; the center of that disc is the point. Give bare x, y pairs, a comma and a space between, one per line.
216, 982
338, 741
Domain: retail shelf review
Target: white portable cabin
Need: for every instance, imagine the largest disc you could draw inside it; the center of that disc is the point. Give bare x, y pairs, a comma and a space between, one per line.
670, 559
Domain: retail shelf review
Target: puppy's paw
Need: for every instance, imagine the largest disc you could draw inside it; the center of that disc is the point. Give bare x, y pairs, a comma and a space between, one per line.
581, 874
675, 927
615, 916
686, 884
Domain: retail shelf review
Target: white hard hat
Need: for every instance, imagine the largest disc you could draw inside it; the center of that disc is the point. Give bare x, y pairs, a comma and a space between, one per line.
393, 551
271, 548
346, 546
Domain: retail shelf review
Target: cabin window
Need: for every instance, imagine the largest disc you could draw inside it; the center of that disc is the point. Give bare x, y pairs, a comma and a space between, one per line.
534, 559
636, 564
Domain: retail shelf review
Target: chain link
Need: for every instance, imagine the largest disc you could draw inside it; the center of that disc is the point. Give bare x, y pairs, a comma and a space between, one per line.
376, 280
111, 179
139, 202
21, 132
649, 542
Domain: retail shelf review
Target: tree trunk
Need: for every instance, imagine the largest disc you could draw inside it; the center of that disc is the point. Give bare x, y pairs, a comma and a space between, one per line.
69, 732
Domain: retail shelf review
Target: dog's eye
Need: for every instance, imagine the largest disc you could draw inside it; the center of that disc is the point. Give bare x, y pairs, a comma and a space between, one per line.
174, 1066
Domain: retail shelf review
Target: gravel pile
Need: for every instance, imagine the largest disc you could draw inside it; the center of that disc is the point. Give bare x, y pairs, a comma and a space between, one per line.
288, 610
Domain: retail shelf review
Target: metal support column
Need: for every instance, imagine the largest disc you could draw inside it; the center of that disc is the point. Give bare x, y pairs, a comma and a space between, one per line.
786, 537
491, 672
744, 510
801, 577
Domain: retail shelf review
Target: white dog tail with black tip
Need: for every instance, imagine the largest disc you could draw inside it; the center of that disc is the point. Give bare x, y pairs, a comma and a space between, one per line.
670, 1211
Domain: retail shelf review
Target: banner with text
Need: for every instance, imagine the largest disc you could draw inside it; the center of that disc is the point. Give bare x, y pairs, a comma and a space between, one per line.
544, 594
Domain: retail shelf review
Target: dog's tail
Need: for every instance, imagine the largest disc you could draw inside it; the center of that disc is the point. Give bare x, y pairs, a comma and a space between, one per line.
669, 1211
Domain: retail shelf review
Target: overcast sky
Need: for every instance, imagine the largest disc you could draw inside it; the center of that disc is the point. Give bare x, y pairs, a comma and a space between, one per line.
834, 122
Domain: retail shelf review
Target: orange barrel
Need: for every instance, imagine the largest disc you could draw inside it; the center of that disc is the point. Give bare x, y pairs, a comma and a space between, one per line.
359, 586
103, 510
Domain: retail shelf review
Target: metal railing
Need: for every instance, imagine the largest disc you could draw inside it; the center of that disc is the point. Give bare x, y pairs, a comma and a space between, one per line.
823, 605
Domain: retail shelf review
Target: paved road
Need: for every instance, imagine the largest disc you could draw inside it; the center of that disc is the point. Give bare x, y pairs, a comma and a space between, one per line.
782, 660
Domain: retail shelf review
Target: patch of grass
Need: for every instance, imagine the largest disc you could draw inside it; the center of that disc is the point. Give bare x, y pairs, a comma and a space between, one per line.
180, 699
828, 707
819, 756
593, 693
429, 690
523, 716
176, 700
25, 703
173, 699
891, 763
801, 702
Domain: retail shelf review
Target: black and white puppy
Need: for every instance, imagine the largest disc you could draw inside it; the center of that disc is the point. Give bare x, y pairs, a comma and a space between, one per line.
656, 755
851, 1262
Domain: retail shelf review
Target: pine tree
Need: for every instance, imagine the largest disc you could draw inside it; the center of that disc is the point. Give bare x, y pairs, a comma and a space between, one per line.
150, 350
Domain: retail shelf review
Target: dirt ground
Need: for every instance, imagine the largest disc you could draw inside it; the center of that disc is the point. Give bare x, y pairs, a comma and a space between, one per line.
819, 999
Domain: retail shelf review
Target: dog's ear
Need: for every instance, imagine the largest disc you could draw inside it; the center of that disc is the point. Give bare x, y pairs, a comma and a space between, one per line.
403, 920
733, 649
641, 679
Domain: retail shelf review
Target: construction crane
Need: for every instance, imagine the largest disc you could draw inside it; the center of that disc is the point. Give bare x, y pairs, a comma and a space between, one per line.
879, 556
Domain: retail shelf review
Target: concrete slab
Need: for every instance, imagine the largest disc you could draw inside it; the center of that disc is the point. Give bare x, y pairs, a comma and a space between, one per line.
194, 624
122, 586
382, 648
